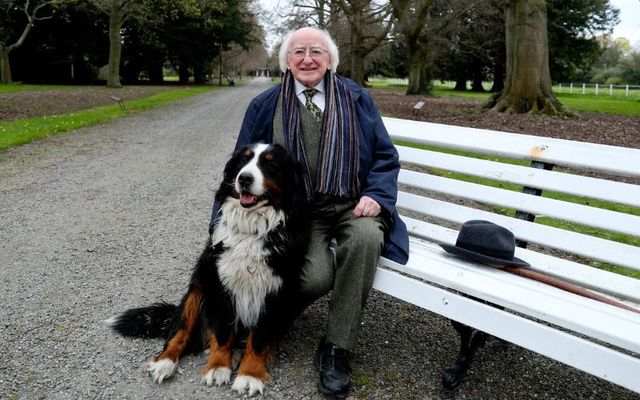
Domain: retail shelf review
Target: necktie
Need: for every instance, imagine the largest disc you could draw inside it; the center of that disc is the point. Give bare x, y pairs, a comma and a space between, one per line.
310, 105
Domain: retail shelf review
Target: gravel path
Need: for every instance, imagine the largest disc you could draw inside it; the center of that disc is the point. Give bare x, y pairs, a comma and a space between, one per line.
113, 216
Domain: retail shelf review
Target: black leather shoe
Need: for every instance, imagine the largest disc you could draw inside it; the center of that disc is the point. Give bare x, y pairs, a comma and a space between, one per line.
334, 369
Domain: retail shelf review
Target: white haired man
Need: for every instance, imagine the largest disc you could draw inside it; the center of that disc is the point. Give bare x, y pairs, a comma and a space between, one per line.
332, 126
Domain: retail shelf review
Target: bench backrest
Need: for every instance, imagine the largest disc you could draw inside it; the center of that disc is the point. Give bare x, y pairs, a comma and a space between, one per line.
586, 228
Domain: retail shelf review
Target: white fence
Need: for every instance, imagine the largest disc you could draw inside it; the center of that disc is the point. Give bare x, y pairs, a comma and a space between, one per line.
391, 81
597, 89
570, 88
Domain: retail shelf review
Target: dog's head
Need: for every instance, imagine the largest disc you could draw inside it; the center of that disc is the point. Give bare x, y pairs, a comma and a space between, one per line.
262, 175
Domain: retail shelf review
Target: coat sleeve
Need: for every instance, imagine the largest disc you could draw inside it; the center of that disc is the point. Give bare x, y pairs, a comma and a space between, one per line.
245, 137
381, 179
382, 175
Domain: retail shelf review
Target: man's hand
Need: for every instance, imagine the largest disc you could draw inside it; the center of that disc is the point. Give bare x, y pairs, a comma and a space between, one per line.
367, 207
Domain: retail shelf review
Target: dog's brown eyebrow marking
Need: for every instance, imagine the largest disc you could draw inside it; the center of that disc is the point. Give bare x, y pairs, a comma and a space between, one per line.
248, 152
268, 156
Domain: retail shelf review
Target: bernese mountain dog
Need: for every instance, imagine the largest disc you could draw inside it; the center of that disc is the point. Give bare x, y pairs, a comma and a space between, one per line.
244, 289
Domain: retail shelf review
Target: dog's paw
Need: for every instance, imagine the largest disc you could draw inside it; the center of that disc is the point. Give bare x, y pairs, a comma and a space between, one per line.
219, 376
161, 370
246, 383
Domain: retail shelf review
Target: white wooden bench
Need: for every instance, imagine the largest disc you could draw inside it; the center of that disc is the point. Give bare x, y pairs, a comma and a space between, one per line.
597, 338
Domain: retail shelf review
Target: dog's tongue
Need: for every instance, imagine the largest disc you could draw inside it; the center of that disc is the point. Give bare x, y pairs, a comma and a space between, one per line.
247, 199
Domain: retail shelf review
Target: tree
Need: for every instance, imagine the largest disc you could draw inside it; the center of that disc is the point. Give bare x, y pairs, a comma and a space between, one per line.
630, 66
411, 18
359, 27
528, 80
320, 13
194, 38
368, 24
618, 63
70, 48
475, 48
573, 26
118, 11
425, 24
9, 9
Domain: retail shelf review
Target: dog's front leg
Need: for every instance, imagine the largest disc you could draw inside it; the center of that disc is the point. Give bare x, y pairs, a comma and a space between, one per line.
252, 372
219, 365
166, 363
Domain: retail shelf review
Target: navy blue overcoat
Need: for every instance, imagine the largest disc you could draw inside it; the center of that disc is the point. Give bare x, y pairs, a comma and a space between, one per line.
379, 165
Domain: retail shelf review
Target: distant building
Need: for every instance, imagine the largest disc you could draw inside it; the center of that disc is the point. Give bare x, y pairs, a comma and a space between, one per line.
263, 71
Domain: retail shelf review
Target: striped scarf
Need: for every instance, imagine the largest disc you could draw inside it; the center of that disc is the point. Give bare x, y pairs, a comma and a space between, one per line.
339, 157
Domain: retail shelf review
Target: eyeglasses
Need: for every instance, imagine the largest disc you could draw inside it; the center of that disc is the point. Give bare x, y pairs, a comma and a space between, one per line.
314, 52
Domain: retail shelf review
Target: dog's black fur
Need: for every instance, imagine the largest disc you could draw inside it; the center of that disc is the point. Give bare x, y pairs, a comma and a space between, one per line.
208, 315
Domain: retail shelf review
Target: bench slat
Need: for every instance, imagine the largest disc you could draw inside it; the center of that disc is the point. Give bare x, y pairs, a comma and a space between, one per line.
590, 357
575, 243
597, 320
619, 286
616, 192
590, 216
589, 156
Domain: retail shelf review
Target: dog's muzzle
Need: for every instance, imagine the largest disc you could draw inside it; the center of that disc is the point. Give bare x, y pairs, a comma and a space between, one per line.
244, 183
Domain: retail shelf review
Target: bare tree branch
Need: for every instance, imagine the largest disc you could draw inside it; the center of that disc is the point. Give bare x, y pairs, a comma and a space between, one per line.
31, 18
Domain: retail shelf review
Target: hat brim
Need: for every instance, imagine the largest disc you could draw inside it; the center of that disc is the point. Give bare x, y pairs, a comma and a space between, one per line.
471, 255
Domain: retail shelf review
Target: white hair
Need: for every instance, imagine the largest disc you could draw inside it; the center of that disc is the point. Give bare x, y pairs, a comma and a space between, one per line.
331, 47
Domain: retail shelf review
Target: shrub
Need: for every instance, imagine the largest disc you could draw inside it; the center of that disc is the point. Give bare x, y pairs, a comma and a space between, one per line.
614, 80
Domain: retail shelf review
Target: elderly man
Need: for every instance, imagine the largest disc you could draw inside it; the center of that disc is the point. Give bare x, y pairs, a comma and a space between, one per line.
334, 129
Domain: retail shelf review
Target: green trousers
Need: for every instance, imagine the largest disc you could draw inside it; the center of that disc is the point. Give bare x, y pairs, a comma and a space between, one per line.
347, 266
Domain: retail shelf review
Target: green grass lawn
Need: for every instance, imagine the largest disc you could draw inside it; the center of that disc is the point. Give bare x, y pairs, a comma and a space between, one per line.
618, 104
13, 133
17, 87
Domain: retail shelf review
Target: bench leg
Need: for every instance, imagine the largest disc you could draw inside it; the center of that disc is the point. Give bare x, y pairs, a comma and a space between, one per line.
470, 340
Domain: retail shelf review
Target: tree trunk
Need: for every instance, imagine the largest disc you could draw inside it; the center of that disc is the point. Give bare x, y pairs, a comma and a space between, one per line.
155, 73
357, 69
356, 64
419, 80
368, 29
528, 81
6, 49
476, 82
461, 84
115, 45
198, 74
183, 73
5, 66
498, 76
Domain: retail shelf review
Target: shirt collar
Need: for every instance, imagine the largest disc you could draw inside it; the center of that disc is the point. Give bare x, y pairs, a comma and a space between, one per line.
300, 87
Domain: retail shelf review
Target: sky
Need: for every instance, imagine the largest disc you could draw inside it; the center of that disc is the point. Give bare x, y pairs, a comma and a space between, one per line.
628, 27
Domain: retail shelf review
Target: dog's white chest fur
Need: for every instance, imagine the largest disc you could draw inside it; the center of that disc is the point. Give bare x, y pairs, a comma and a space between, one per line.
242, 267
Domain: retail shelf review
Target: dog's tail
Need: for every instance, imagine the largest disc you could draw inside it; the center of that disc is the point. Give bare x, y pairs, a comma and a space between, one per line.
153, 321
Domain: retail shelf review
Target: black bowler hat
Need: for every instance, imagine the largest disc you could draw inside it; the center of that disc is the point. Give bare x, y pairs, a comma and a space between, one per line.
486, 242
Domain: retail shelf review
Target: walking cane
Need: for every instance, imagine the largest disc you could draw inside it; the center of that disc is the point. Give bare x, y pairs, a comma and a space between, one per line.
569, 287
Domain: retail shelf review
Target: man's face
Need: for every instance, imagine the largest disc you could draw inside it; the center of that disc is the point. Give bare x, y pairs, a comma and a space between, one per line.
308, 56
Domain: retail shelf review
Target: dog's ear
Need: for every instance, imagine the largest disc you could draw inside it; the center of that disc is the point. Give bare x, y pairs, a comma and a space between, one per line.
229, 173
232, 166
